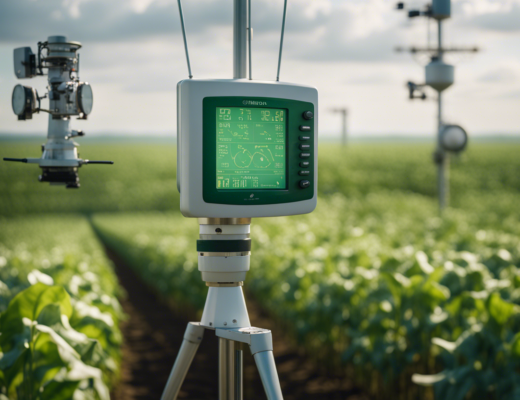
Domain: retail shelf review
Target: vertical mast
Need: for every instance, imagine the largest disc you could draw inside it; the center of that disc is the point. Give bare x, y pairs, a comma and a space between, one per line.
443, 161
239, 39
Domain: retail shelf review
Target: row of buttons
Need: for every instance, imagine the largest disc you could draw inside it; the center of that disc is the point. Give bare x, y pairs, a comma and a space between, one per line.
308, 115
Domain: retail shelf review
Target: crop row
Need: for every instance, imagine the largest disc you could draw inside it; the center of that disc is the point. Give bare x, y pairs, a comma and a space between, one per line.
143, 177
380, 286
59, 316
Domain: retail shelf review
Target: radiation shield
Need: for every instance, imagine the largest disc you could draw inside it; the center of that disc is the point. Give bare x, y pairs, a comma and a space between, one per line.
240, 148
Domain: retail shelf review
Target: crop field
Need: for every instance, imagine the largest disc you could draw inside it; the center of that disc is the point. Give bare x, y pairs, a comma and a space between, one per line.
55, 278
374, 282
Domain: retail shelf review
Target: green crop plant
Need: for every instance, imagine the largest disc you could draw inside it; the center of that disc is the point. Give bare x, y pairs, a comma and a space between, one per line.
366, 290
50, 251
374, 282
44, 357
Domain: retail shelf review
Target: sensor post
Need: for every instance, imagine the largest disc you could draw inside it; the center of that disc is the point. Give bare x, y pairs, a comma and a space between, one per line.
68, 96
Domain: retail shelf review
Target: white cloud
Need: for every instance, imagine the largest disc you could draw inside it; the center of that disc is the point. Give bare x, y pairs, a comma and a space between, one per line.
501, 15
506, 75
73, 7
134, 57
140, 6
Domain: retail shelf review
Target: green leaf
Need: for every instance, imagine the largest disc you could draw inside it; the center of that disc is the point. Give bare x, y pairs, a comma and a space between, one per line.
21, 345
59, 390
28, 304
67, 353
50, 315
499, 309
463, 384
92, 352
515, 348
47, 359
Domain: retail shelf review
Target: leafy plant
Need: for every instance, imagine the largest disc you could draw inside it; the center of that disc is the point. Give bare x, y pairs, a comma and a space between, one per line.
484, 361
365, 290
44, 358
63, 251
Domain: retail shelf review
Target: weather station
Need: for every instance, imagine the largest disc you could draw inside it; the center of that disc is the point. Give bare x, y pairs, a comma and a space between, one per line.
245, 149
439, 75
68, 96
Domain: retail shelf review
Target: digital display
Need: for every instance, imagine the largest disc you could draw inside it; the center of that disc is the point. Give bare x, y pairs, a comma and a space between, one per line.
251, 148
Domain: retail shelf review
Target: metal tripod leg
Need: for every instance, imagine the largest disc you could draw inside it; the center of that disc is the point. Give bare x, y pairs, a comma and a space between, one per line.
190, 344
260, 342
267, 369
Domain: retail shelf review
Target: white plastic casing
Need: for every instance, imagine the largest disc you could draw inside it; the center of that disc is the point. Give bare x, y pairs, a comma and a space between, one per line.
439, 75
190, 95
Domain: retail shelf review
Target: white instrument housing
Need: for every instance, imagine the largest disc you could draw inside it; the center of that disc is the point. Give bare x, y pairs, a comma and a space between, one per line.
190, 161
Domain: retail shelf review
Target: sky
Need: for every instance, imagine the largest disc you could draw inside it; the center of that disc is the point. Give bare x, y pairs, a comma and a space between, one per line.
133, 56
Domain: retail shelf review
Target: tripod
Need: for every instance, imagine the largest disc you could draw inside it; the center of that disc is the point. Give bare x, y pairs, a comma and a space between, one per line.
224, 251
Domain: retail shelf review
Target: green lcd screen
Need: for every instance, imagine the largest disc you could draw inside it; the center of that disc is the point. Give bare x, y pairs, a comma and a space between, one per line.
251, 148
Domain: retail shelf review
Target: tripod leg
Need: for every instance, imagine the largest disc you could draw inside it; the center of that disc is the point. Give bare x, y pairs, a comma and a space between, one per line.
190, 344
267, 369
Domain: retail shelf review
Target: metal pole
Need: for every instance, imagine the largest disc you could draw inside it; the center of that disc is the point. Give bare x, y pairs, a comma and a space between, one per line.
344, 130
250, 39
230, 370
281, 40
230, 353
239, 368
239, 39
443, 162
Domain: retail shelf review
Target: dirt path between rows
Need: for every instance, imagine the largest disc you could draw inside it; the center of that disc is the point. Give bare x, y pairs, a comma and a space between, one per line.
153, 334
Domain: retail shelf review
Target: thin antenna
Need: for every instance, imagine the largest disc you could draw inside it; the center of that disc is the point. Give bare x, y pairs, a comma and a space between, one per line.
250, 38
281, 41
185, 42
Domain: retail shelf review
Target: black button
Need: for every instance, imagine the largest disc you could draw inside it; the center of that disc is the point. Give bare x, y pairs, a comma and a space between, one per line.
304, 164
304, 172
305, 146
308, 115
305, 128
302, 138
304, 184
305, 155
